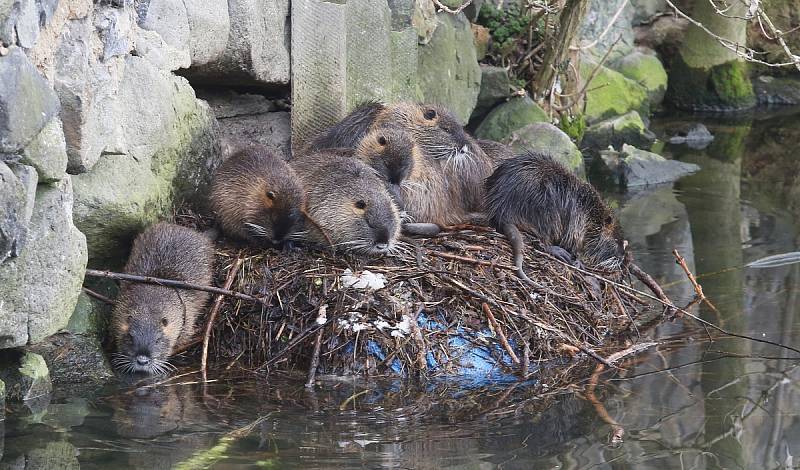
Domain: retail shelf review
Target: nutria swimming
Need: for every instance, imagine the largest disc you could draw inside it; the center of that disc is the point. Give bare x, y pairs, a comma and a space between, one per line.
533, 193
448, 184
150, 321
257, 197
348, 203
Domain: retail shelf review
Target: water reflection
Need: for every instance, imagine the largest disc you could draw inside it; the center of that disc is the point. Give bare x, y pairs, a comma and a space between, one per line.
690, 403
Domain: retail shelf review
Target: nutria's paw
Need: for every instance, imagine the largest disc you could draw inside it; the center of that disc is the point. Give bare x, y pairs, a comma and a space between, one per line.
561, 254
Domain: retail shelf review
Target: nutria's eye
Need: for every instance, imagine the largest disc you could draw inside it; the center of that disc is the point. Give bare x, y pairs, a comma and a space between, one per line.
430, 114
271, 195
164, 322
361, 205
609, 220
382, 140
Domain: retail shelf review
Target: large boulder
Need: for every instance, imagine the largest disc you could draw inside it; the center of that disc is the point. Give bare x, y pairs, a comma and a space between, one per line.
40, 287
257, 43
495, 87
546, 138
170, 146
21, 21
640, 168
601, 28
610, 93
75, 359
27, 101
369, 62
506, 118
626, 129
25, 375
449, 73
425, 20
643, 67
405, 76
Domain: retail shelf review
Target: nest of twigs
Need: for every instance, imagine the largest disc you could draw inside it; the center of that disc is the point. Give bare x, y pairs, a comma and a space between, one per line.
449, 306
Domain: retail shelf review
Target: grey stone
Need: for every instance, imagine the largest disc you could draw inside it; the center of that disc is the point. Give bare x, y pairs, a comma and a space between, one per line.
170, 145
610, 93
169, 19
546, 138
40, 287
777, 90
402, 10
25, 375
114, 26
47, 152
68, 414
369, 66
626, 129
75, 359
473, 9
151, 46
87, 92
644, 10
598, 18
507, 117
695, 135
404, 76
13, 226
209, 26
257, 47
449, 73
29, 179
228, 103
319, 67
21, 21
424, 20
639, 168
27, 25
27, 102
273, 130
90, 317
495, 87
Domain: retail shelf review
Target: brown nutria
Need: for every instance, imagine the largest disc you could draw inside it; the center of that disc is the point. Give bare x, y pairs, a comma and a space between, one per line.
392, 153
448, 184
257, 197
348, 204
150, 321
533, 193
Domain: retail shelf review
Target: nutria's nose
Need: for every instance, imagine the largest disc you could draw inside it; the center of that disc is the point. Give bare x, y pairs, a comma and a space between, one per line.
381, 246
142, 360
381, 237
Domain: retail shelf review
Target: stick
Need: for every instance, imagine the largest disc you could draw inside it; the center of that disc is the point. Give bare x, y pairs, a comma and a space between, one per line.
698, 289
617, 431
450, 10
650, 283
171, 283
496, 326
98, 296
322, 318
213, 314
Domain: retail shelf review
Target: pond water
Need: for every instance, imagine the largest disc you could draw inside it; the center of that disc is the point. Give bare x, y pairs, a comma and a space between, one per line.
689, 403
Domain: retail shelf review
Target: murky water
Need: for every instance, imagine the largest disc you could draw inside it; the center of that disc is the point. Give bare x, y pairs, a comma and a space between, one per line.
689, 403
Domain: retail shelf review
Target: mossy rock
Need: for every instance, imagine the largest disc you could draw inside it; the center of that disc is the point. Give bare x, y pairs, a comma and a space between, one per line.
546, 138
646, 70
611, 94
724, 87
508, 117
25, 375
626, 129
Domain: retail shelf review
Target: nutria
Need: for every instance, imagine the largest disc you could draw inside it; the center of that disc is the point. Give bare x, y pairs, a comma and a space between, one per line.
392, 153
149, 321
347, 202
533, 193
257, 197
448, 184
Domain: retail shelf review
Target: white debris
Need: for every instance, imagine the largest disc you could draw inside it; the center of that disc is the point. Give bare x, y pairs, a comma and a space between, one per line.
366, 280
382, 324
404, 325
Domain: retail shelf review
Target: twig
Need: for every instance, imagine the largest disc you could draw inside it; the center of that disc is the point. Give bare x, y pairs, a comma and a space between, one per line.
322, 318
698, 289
212, 316
467, 259
496, 327
344, 404
635, 349
650, 283
98, 296
171, 283
450, 10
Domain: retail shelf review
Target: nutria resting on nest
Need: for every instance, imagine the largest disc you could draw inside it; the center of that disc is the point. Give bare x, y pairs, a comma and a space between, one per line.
348, 203
447, 187
533, 193
150, 321
257, 197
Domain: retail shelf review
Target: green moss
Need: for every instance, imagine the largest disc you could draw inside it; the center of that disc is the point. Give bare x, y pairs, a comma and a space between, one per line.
33, 366
731, 82
507, 117
573, 126
611, 94
646, 70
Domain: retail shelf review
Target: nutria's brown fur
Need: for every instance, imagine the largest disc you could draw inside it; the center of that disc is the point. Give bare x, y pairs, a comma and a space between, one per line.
535, 194
348, 203
448, 182
150, 321
257, 197
392, 153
